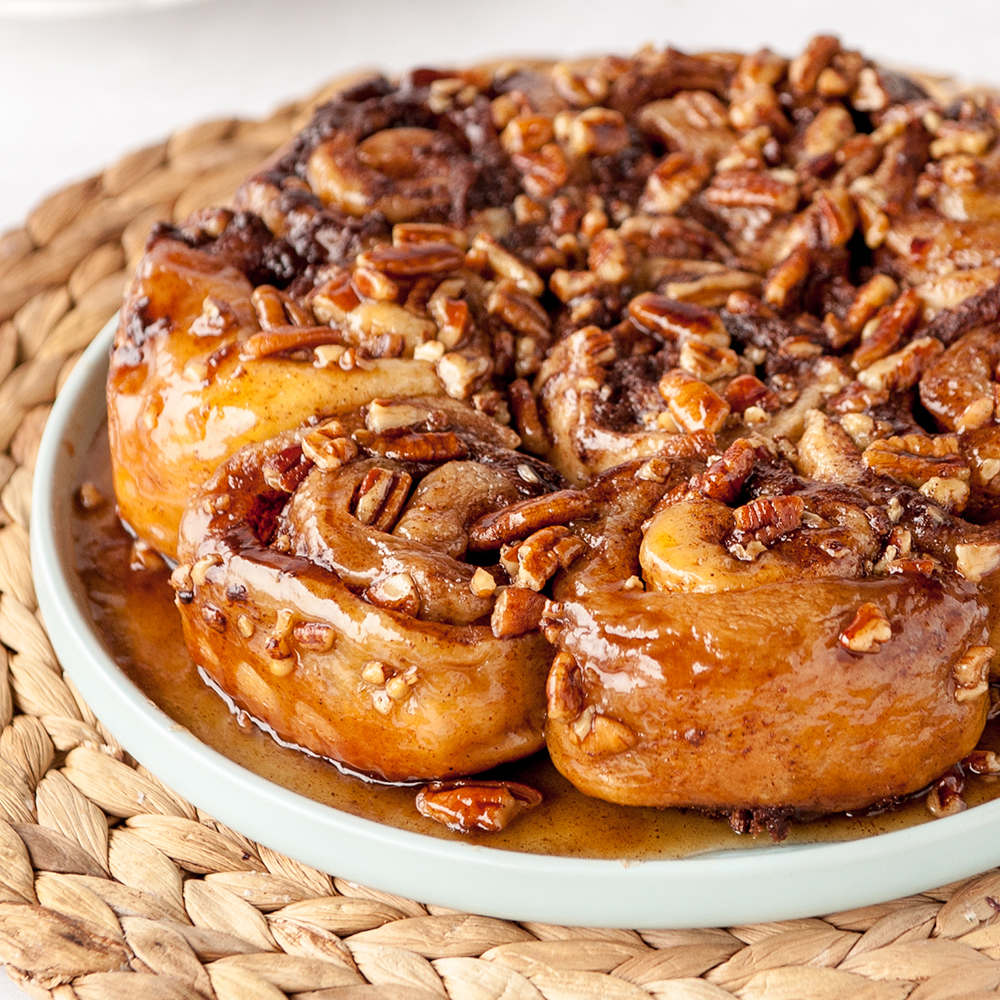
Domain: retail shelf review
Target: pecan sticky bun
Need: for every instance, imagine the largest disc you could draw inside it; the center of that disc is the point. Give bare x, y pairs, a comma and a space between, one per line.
644, 407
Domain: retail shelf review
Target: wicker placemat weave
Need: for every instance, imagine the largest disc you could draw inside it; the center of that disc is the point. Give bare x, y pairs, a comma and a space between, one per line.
113, 886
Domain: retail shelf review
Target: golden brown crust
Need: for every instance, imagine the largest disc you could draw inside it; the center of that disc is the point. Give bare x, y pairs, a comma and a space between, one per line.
638, 265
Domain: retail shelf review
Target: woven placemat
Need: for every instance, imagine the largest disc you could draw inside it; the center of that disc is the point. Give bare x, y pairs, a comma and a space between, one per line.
112, 886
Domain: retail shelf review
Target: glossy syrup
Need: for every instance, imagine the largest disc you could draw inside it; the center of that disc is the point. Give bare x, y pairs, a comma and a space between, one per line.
134, 612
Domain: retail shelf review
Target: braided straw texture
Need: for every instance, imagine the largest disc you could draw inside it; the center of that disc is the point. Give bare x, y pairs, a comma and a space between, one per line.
113, 886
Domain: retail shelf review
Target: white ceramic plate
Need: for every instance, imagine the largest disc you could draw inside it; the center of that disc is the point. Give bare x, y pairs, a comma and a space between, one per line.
727, 888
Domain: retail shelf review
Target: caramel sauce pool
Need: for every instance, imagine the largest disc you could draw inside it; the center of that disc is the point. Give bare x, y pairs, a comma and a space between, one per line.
134, 612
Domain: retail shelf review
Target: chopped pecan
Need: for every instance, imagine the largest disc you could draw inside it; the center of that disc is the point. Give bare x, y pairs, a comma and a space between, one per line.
786, 277
597, 132
476, 805
945, 795
335, 298
867, 630
577, 86
569, 285
948, 492
483, 583
608, 257
374, 284
883, 334
520, 311
276, 309
975, 560
874, 222
564, 688
526, 133
869, 298
544, 552
982, 762
747, 390
313, 635
754, 101
972, 672
695, 121
283, 470
450, 312
829, 130
462, 372
958, 389
397, 592
675, 179
327, 445
805, 69
693, 404
278, 644
961, 137
517, 611
527, 421
706, 361
427, 232
383, 415
725, 477
89, 496
902, 369
712, 287
506, 265
601, 735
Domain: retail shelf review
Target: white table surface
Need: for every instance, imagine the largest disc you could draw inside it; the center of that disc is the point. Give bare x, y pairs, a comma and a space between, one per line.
77, 92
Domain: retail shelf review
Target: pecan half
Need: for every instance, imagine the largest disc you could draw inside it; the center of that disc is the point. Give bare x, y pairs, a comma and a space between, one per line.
915, 458
281, 339
276, 309
673, 320
424, 446
768, 518
412, 260
521, 519
475, 805
381, 497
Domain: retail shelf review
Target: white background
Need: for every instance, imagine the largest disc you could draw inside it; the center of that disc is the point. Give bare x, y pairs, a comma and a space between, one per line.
77, 92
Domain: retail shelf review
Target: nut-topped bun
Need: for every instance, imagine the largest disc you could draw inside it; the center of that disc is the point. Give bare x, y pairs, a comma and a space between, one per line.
671, 376
324, 584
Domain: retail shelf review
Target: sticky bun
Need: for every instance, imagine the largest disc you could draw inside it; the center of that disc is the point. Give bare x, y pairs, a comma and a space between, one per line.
644, 409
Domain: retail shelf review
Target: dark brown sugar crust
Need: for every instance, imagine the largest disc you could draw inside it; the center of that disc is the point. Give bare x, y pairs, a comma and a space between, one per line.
737, 313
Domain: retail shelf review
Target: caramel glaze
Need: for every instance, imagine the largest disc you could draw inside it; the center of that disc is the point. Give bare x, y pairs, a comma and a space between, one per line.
712, 711
133, 610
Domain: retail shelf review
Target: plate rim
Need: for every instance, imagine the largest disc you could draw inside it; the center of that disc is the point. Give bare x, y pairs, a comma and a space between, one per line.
727, 888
